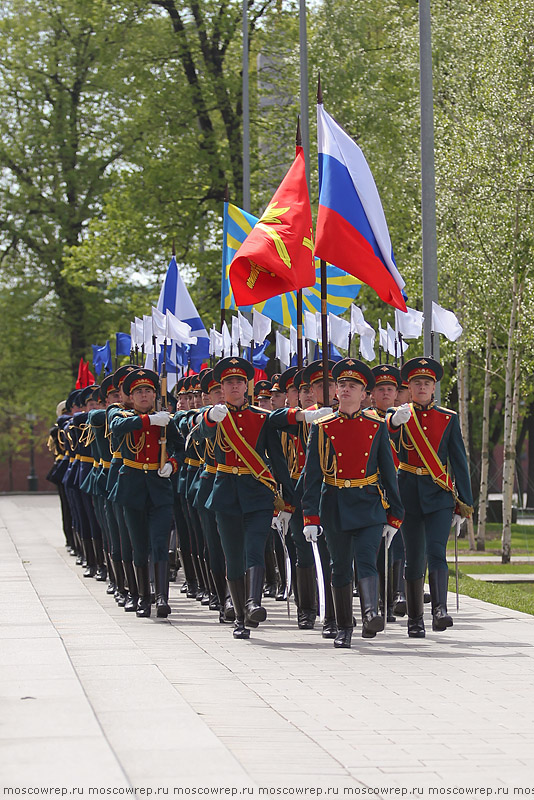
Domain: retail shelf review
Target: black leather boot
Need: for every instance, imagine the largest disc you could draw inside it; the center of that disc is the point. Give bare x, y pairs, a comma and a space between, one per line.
329, 624
439, 584
307, 594
226, 610
173, 569
132, 596
343, 604
271, 572
112, 585
189, 571
399, 601
201, 587
144, 606
254, 611
120, 590
101, 573
391, 617
372, 622
89, 555
415, 608
161, 575
237, 592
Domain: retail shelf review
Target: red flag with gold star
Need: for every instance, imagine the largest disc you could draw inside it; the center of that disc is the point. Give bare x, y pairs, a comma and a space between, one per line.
277, 255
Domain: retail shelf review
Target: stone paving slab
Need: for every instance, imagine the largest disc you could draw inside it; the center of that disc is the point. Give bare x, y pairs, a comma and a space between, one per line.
91, 697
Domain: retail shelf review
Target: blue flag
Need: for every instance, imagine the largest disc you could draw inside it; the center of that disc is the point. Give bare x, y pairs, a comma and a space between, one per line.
123, 344
102, 358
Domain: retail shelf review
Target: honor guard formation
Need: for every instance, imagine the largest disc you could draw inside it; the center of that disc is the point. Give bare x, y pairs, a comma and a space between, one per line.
264, 491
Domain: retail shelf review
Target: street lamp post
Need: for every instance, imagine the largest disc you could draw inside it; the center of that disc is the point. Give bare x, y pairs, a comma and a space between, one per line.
32, 477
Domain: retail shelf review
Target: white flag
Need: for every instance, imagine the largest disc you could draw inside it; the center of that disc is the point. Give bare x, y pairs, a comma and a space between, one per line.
445, 322
216, 343
367, 346
227, 341
133, 333
409, 323
147, 333
159, 323
292, 340
245, 330
261, 326
338, 331
139, 332
282, 349
382, 336
394, 345
358, 324
177, 330
310, 326
235, 335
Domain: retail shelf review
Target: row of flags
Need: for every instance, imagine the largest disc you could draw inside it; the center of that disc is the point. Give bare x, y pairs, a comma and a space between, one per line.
267, 260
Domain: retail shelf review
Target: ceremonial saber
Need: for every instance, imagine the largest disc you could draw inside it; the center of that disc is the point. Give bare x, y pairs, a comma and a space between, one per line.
457, 532
386, 564
281, 534
320, 581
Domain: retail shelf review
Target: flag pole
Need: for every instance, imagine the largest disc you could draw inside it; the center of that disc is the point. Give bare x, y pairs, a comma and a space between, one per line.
300, 358
324, 317
223, 310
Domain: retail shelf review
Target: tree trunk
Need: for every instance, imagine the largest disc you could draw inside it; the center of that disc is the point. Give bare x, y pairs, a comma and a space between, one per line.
463, 391
511, 408
530, 473
484, 455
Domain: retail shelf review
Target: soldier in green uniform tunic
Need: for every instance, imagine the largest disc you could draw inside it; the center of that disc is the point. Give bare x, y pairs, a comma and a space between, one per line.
434, 484
350, 489
244, 490
143, 486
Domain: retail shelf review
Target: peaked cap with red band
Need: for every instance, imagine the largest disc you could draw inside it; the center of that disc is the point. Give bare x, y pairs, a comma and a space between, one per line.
208, 382
314, 372
286, 379
139, 378
422, 368
354, 370
386, 373
120, 374
263, 389
233, 367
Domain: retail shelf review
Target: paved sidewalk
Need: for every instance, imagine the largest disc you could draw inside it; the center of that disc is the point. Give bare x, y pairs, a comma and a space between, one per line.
91, 697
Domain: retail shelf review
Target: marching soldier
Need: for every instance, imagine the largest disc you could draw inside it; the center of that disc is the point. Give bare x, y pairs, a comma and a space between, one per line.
143, 486
383, 396
435, 488
294, 425
350, 489
244, 490
262, 395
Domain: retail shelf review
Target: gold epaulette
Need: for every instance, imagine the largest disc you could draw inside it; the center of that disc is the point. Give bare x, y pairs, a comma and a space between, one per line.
329, 418
370, 413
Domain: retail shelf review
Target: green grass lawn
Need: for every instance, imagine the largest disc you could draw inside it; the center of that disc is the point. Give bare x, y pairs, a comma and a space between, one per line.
522, 541
519, 596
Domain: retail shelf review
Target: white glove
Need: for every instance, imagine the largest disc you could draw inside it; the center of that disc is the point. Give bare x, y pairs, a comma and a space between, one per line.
161, 418
166, 470
402, 414
312, 414
388, 533
217, 413
311, 532
457, 521
281, 522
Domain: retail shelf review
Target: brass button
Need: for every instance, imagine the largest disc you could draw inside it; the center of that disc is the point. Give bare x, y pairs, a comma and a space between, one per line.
235, 470
370, 435
366, 454
347, 484
332, 437
419, 471
240, 429
376, 426
147, 458
340, 454
340, 470
148, 446
362, 471
340, 421
240, 415
145, 467
424, 415
424, 427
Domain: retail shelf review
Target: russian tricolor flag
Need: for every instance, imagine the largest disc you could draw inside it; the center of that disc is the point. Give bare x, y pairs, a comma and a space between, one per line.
352, 231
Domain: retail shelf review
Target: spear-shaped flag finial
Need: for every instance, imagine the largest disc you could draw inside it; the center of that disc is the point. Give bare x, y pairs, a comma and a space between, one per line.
298, 140
319, 90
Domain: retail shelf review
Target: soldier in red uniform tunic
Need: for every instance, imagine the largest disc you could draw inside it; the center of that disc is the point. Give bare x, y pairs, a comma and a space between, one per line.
434, 484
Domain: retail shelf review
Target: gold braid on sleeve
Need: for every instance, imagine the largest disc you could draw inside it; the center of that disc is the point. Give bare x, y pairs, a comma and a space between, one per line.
327, 455
220, 442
